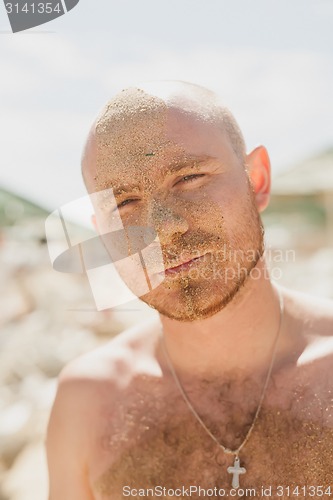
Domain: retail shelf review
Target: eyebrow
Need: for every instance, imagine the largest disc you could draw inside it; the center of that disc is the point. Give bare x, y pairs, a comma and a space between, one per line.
176, 167
190, 162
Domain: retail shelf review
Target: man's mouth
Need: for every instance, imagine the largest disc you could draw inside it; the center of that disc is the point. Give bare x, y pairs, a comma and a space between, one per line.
184, 266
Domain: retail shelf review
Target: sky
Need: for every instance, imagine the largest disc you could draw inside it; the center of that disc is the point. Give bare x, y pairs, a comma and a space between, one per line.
271, 61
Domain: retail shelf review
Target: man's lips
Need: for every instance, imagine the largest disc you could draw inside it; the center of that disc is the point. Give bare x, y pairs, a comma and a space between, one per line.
184, 266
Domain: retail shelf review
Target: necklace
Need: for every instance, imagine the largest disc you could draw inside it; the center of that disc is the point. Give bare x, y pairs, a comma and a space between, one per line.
236, 470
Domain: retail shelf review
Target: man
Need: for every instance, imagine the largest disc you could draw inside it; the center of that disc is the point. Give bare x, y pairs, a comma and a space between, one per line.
230, 388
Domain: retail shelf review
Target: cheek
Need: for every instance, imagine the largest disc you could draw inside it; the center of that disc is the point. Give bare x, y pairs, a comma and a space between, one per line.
133, 219
140, 216
108, 222
230, 195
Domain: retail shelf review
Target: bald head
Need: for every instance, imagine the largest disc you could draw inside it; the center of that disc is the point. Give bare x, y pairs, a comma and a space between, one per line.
145, 110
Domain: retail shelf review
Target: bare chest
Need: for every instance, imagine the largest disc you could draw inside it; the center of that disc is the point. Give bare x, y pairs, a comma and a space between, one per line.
157, 443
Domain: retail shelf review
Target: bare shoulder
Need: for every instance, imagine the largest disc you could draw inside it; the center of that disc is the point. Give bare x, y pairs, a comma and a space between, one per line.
96, 377
114, 363
310, 320
312, 317
315, 313
89, 386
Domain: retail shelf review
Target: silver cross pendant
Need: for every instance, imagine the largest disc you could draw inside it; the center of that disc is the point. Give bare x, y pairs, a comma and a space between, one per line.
236, 470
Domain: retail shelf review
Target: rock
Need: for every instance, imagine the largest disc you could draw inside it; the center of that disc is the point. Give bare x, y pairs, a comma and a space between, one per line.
14, 430
27, 479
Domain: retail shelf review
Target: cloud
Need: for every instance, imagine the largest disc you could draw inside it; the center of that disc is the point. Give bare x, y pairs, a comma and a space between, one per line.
278, 96
53, 54
52, 87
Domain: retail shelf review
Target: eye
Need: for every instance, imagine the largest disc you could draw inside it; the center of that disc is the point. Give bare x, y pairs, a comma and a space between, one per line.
189, 178
126, 202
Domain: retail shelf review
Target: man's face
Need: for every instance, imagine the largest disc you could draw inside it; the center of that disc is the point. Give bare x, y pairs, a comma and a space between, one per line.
178, 174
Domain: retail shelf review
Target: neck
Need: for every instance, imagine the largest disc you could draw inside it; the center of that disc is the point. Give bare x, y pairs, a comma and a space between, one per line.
238, 338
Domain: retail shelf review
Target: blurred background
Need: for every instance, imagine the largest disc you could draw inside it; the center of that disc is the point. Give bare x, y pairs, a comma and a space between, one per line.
272, 64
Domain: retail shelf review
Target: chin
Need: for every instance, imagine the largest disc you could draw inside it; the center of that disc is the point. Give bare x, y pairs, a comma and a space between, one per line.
192, 303
186, 299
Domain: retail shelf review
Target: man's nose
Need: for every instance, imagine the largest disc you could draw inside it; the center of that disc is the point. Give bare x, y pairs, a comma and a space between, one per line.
167, 221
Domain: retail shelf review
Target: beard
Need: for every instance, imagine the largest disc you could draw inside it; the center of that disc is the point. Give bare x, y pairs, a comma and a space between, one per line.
227, 257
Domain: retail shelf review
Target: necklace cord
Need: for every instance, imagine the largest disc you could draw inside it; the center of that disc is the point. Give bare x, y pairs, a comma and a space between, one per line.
263, 392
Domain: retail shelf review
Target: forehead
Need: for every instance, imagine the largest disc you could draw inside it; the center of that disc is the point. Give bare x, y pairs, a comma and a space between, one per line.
140, 136
131, 125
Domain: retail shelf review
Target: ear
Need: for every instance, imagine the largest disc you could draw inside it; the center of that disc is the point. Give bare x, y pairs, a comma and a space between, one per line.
259, 170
